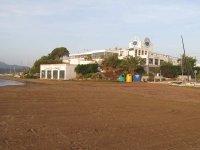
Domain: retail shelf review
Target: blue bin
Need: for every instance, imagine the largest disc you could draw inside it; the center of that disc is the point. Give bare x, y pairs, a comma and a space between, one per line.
122, 78
137, 78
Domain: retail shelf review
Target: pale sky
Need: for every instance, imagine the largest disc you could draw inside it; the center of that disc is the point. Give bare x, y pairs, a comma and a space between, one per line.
30, 29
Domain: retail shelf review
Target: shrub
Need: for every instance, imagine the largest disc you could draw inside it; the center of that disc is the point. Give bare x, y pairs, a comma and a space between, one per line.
86, 69
140, 70
170, 71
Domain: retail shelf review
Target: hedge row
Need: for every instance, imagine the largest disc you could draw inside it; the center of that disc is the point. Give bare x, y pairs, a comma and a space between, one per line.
86, 69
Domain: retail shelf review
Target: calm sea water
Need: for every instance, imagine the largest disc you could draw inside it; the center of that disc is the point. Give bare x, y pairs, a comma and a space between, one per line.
9, 82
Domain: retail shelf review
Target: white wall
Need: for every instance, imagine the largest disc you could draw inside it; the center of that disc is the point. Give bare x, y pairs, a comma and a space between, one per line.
67, 68
80, 61
70, 73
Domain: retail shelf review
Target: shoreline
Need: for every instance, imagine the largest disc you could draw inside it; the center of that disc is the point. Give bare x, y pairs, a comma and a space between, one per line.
91, 115
4, 82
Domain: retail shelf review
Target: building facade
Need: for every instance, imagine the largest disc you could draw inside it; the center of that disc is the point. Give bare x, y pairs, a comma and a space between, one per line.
145, 50
57, 71
94, 56
142, 48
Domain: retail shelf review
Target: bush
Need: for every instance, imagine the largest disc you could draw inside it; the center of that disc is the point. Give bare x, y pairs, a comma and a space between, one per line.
170, 71
140, 70
89, 75
86, 69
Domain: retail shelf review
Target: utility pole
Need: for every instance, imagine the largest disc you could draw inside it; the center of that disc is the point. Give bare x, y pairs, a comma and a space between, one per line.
147, 62
184, 58
195, 73
182, 65
160, 76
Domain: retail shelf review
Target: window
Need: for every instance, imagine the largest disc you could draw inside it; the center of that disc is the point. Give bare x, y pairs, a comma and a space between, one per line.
150, 60
121, 53
136, 52
161, 62
145, 52
144, 59
62, 74
48, 74
142, 52
156, 61
43, 74
139, 52
55, 74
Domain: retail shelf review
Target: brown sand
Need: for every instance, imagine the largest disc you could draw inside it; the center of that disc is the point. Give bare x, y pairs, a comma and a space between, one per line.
62, 115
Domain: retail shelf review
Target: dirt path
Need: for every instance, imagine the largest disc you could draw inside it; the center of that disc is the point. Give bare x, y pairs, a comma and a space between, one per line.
50, 115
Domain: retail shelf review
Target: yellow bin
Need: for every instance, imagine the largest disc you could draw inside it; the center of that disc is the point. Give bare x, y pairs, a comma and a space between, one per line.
129, 78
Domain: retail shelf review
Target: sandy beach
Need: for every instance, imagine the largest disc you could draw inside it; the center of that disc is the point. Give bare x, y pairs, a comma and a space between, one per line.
86, 115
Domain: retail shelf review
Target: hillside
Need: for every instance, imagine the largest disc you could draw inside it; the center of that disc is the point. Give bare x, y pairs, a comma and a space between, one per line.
5, 68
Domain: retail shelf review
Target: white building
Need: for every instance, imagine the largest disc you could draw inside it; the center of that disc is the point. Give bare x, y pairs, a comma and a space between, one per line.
142, 48
57, 71
95, 56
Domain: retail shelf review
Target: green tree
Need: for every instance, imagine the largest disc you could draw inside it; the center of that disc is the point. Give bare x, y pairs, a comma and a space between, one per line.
58, 53
111, 61
198, 76
164, 63
131, 63
191, 61
188, 64
168, 70
54, 57
36, 65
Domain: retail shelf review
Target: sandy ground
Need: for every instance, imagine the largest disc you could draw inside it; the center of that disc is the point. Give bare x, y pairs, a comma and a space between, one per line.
62, 115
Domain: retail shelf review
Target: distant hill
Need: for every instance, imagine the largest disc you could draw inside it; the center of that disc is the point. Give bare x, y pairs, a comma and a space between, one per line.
5, 68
